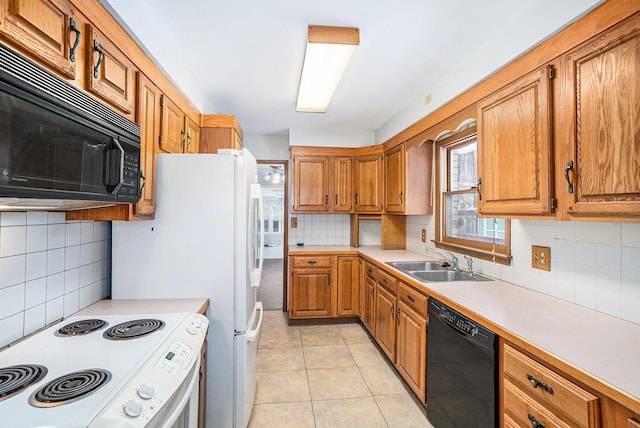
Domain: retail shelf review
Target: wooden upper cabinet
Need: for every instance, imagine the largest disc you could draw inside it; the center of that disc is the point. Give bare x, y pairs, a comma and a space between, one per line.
44, 29
311, 183
408, 176
368, 183
604, 103
148, 117
514, 147
172, 132
220, 131
342, 184
109, 72
193, 136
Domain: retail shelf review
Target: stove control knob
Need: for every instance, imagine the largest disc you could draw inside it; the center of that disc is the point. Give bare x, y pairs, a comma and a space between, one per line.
196, 322
133, 408
192, 330
146, 391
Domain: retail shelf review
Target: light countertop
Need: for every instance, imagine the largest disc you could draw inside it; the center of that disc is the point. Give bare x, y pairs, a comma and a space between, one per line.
145, 306
602, 346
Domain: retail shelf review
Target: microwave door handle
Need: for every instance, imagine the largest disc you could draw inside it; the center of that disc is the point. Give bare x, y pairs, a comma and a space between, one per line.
121, 166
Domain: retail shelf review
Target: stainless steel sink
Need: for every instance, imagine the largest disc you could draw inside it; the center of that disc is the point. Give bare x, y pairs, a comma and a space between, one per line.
417, 266
446, 276
434, 272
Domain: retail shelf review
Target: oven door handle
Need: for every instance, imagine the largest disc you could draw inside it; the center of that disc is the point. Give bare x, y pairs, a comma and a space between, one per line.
182, 404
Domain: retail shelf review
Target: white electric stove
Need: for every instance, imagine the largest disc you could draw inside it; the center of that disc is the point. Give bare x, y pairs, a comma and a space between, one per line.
76, 374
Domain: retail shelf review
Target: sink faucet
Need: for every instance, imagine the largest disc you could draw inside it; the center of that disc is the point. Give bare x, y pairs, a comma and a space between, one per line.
449, 258
469, 263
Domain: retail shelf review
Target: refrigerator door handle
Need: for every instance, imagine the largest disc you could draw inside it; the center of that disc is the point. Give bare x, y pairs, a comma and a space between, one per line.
256, 271
252, 335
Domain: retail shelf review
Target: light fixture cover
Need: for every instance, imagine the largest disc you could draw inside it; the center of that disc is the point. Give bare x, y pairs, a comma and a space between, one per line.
326, 56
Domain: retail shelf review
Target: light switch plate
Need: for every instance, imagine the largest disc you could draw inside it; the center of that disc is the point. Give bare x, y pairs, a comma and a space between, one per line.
424, 235
541, 257
294, 222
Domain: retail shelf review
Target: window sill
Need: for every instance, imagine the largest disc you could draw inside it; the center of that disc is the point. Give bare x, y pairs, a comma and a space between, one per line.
503, 259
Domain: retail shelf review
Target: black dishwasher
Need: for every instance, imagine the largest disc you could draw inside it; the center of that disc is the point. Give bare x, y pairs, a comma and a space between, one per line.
461, 370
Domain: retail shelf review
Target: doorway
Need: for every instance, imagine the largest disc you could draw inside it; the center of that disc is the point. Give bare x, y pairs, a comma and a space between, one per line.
272, 177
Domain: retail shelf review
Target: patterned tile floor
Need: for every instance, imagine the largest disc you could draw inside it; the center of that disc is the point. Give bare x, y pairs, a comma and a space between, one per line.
327, 376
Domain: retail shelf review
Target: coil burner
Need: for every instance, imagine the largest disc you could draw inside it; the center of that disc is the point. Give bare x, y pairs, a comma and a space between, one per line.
70, 387
14, 379
80, 328
133, 329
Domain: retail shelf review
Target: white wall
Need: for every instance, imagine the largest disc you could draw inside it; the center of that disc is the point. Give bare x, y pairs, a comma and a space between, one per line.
330, 138
268, 147
592, 264
49, 268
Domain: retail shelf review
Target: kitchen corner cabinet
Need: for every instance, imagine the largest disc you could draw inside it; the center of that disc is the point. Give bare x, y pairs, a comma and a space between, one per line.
109, 72
193, 136
220, 131
368, 179
408, 175
44, 29
314, 290
515, 147
603, 78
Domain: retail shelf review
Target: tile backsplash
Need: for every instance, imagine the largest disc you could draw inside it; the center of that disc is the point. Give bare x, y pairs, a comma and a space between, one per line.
596, 265
49, 269
320, 229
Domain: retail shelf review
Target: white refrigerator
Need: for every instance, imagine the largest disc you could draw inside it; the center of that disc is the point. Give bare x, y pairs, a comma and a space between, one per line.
206, 241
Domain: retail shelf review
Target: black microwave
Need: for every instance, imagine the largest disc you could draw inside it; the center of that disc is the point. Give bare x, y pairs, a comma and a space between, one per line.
59, 147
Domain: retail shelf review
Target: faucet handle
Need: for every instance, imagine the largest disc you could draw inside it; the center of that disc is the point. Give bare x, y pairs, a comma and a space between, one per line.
469, 263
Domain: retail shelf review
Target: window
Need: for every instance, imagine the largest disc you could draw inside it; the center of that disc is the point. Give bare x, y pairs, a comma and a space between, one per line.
458, 226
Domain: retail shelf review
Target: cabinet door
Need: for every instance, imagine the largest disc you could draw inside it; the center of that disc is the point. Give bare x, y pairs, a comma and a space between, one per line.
311, 184
109, 71
514, 147
148, 117
172, 133
44, 28
347, 286
368, 179
368, 303
411, 358
605, 95
342, 184
193, 136
394, 170
311, 293
385, 322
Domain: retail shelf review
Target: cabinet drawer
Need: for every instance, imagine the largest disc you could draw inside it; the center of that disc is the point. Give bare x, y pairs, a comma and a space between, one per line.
370, 269
525, 411
413, 299
387, 281
551, 389
311, 261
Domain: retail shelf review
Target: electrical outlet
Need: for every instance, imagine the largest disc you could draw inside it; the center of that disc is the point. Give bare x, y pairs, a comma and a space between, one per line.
541, 257
294, 222
424, 235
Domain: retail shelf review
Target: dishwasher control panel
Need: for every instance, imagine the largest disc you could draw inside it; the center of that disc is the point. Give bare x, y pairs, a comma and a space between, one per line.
461, 322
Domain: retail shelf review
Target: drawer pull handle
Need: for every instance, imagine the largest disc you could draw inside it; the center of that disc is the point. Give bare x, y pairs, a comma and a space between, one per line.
391, 309
312, 262
369, 271
410, 297
535, 423
537, 384
385, 281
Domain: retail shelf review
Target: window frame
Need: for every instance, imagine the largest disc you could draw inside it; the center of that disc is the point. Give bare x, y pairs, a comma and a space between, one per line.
483, 250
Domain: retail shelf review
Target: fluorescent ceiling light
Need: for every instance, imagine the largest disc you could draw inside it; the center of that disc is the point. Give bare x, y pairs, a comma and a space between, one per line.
327, 54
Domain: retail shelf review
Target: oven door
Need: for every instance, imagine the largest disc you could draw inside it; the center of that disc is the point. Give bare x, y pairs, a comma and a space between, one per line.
181, 411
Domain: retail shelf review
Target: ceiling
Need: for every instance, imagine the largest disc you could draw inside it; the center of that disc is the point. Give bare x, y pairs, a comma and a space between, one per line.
244, 57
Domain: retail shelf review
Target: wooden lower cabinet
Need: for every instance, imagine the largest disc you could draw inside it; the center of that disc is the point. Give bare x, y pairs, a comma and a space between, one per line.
310, 293
411, 348
534, 394
368, 298
385, 321
323, 286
